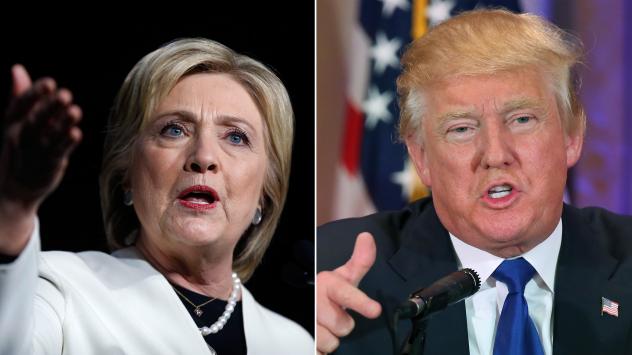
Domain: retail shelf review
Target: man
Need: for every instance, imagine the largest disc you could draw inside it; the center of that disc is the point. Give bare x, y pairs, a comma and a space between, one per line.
490, 118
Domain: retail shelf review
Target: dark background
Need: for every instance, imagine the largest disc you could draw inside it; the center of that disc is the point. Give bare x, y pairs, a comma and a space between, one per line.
91, 53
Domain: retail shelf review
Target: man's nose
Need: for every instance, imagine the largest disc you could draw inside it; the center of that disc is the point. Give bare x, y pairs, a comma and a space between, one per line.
496, 147
202, 156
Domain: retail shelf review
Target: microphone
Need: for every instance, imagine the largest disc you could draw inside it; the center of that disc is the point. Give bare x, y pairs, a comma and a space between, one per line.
446, 291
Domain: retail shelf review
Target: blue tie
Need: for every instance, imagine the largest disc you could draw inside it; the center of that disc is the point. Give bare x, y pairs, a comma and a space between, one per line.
516, 333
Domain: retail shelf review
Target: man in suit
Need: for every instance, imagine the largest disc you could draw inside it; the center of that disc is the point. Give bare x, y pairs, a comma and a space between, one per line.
491, 120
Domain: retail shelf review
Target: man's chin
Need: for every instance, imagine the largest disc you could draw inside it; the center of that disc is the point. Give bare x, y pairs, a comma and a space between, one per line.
507, 240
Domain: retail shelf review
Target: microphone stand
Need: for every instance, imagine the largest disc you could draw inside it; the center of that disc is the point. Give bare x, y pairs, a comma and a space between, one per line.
422, 304
415, 341
417, 337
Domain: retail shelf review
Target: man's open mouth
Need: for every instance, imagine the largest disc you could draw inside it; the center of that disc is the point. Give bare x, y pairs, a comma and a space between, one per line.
499, 191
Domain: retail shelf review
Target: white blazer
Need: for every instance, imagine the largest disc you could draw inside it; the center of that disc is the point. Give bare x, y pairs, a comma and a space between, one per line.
94, 303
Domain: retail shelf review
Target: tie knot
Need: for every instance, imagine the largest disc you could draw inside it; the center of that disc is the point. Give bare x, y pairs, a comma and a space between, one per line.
514, 273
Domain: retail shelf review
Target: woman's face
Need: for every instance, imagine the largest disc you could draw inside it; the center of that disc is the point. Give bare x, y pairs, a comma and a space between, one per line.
199, 164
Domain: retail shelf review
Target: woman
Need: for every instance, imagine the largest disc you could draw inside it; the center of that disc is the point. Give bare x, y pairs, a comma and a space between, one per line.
194, 177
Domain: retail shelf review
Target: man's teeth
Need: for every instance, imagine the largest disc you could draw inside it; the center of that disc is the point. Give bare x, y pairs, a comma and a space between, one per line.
499, 191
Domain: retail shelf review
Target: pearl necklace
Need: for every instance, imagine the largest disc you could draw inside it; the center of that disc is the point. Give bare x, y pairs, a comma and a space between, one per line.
228, 310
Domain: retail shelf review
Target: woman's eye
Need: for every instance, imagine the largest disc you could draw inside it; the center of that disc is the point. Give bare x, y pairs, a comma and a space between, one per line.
172, 130
238, 137
235, 138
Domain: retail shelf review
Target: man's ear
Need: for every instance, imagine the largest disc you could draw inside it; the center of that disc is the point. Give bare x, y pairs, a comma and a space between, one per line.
574, 143
417, 154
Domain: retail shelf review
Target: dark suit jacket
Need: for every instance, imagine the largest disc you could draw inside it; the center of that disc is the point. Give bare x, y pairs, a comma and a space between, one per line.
414, 250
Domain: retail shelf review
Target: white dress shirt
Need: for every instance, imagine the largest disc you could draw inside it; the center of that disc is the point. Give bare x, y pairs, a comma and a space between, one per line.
483, 308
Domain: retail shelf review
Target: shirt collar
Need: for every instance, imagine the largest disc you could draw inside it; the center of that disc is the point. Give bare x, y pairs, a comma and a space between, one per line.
543, 257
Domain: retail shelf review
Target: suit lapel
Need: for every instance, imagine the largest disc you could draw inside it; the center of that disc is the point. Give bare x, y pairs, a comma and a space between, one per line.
426, 255
586, 272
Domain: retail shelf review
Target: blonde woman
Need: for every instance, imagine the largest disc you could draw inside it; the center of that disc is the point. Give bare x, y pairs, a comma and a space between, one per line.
194, 178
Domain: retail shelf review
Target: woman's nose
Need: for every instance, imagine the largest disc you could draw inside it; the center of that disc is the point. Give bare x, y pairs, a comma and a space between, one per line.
202, 157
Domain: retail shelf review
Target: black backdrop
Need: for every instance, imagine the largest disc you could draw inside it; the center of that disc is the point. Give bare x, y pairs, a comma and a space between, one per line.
91, 52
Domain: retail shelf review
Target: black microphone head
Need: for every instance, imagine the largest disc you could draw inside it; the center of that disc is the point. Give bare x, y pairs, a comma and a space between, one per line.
448, 290
475, 279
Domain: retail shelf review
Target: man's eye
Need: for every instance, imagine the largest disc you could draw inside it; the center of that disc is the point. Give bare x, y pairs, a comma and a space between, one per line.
523, 123
460, 130
460, 133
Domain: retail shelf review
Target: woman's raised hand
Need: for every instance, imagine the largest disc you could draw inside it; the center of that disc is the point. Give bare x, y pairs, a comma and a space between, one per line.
39, 131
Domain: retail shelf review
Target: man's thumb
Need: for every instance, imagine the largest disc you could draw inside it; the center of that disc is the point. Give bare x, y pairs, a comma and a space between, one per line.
362, 258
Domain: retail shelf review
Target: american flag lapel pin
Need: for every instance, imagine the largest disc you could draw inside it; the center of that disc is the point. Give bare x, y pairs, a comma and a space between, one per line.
610, 307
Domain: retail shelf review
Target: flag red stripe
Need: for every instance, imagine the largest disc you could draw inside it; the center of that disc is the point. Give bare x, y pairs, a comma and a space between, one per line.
352, 139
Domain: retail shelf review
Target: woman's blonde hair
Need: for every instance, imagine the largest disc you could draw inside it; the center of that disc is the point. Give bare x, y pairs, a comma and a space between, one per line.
485, 42
151, 79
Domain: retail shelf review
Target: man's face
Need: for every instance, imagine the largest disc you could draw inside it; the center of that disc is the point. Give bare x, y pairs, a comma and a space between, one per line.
495, 153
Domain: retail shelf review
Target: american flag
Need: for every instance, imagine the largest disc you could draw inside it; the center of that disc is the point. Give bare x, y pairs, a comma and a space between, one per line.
610, 307
375, 173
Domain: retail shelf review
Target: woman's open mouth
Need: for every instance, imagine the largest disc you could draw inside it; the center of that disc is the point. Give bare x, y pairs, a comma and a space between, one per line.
198, 197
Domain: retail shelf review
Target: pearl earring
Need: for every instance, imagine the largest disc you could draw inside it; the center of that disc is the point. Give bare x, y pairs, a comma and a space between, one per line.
256, 219
127, 198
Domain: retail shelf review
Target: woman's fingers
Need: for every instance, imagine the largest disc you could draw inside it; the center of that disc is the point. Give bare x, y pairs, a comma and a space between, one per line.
21, 107
21, 80
41, 130
53, 119
67, 134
